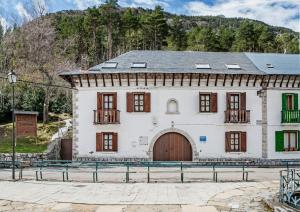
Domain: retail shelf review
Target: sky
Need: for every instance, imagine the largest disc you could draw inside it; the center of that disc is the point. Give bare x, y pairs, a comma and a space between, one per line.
284, 13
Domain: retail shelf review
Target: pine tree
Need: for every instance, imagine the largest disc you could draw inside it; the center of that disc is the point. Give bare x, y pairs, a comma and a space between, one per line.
177, 39
110, 17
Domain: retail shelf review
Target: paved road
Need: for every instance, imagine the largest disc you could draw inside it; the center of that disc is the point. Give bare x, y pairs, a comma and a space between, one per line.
226, 196
201, 195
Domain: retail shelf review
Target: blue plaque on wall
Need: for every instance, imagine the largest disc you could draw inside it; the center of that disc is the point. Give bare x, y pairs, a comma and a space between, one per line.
202, 139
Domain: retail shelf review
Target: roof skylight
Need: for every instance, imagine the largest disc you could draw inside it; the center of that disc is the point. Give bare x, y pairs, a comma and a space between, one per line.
202, 66
139, 65
110, 65
233, 66
269, 65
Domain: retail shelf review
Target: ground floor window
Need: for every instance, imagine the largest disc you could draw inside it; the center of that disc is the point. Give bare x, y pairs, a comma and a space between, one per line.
106, 141
290, 141
287, 140
235, 141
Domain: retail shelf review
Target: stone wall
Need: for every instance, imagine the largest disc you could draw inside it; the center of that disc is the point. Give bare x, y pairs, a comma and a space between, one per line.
52, 153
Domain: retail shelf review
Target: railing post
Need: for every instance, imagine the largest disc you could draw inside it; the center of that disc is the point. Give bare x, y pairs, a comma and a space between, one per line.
127, 173
181, 171
148, 174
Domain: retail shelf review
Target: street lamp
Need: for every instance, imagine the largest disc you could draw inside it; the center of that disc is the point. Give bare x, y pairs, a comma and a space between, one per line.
12, 79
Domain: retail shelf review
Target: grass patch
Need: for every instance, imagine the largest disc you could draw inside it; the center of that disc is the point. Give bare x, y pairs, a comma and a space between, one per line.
28, 144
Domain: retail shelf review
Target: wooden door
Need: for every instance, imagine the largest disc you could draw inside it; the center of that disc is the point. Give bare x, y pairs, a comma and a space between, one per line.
66, 149
172, 147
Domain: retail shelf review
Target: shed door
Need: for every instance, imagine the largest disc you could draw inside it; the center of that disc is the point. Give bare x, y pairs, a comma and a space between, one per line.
172, 147
66, 149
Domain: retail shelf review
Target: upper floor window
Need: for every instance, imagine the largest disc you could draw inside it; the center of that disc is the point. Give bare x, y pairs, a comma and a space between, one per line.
204, 102
172, 106
208, 102
139, 102
289, 101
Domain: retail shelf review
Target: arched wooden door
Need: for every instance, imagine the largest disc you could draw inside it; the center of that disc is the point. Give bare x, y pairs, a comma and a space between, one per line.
172, 147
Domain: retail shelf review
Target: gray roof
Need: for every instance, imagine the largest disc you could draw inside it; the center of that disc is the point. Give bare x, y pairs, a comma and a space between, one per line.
185, 61
282, 63
26, 112
180, 62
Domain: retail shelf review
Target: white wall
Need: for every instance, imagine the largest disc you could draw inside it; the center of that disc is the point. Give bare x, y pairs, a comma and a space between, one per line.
274, 122
189, 119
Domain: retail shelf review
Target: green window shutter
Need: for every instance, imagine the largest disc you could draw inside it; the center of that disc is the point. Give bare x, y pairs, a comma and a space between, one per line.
298, 140
295, 101
279, 143
284, 97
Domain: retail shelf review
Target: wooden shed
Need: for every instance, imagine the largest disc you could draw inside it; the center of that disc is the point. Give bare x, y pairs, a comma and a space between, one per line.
26, 123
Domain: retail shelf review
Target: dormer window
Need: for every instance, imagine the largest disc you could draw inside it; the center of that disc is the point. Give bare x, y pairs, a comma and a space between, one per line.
233, 66
202, 66
110, 65
139, 65
270, 65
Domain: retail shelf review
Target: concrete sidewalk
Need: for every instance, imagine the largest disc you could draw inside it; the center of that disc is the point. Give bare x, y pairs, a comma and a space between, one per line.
225, 196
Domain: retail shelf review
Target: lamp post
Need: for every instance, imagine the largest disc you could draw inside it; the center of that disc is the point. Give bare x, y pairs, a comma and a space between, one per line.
12, 78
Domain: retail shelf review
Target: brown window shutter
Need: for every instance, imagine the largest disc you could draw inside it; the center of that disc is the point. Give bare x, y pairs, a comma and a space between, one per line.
228, 100
243, 101
99, 142
214, 102
115, 101
115, 142
227, 142
129, 102
147, 102
243, 142
99, 101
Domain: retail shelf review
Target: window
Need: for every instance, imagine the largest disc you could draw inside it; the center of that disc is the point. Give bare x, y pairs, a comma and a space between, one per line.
208, 102
233, 66
106, 141
139, 102
234, 102
287, 141
269, 65
235, 142
290, 141
205, 103
110, 65
202, 66
290, 102
172, 106
139, 65
107, 101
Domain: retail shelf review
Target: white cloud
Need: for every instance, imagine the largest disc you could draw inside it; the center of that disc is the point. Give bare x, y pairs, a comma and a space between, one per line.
274, 12
83, 4
22, 12
4, 23
150, 3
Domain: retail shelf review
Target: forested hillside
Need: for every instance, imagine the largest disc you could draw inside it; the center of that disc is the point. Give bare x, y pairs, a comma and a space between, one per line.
80, 39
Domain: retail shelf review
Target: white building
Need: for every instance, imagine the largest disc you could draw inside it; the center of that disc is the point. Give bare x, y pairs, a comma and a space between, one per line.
167, 105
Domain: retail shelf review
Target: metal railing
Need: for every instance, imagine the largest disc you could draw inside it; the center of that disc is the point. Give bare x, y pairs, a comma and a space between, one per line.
107, 116
289, 192
290, 116
237, 116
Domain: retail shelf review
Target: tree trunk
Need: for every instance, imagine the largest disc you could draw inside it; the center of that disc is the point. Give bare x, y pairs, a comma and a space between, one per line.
46, 105
110, 42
